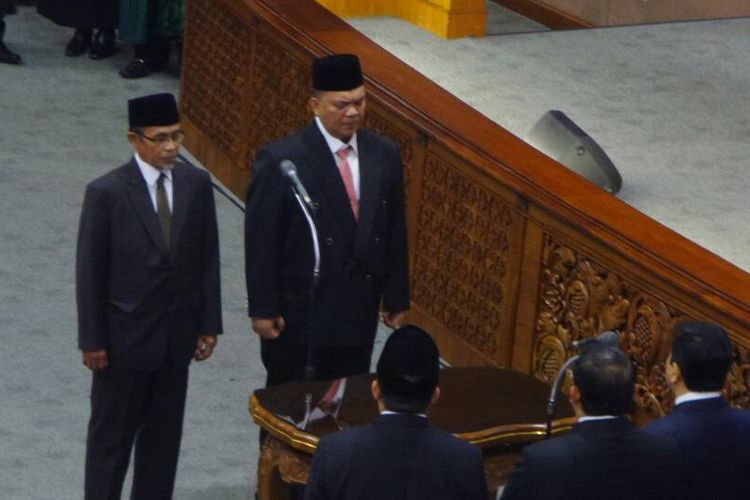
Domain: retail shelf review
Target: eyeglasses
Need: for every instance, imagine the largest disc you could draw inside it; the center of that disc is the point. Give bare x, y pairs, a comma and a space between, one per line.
177, 137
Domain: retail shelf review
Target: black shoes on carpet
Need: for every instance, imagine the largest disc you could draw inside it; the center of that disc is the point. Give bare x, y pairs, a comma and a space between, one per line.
99, 46
138, 68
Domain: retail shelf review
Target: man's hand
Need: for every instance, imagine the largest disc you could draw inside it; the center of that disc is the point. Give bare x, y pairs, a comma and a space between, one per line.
268, 328
204, 347
393, 320
95, 360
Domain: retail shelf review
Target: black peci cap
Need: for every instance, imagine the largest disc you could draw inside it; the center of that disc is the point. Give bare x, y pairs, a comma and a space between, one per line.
154, 110
337, 72
409, 366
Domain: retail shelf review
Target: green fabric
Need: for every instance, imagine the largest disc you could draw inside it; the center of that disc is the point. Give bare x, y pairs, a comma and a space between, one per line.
136, 24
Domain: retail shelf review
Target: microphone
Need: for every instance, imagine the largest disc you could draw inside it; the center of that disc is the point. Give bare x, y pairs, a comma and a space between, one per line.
290, 172
608, 338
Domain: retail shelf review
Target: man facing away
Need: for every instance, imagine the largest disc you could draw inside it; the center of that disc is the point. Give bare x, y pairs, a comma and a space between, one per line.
714, 438
399, 456
604, 456
147, 283
355, 180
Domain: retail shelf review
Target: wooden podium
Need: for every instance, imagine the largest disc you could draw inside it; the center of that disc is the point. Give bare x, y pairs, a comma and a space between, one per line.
496, 409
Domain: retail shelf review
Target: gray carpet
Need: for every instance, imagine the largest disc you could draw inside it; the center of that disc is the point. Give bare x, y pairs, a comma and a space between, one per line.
62, 123
669, 103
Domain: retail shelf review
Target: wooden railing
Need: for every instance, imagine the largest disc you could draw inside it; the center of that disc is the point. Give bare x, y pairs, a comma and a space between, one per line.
512, 255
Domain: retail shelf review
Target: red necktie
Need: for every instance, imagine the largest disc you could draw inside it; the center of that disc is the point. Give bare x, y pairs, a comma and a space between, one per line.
346, 175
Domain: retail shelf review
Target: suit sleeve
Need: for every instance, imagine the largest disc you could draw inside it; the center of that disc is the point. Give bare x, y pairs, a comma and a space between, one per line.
521, 483
396, 285
476, 478
211, 322
315, 489
263, 235
92, 265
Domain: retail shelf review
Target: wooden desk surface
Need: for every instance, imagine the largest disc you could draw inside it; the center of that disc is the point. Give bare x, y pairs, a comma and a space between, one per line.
486, 406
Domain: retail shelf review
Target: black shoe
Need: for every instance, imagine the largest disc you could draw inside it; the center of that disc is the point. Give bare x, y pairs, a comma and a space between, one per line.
8, 57
103, 45
79, 43
11, 9
138, 68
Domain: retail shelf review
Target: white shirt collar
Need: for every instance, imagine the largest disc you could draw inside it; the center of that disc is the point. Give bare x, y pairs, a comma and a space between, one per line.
389, 412
696, 396
335, 144
590, 418
151, 173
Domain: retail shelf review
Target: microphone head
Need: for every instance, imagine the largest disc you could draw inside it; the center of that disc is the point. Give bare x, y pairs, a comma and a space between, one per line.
609, 338
288, 168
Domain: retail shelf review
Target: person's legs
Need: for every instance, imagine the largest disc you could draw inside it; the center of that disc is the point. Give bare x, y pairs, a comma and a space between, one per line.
157, 446
116, 413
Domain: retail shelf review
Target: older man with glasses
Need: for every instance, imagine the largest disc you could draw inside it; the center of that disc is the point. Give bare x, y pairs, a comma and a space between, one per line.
147, 281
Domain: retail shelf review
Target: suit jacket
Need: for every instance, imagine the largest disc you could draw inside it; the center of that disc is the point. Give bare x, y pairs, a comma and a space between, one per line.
397, 457
362, 263
597, 459
141, 300
714, 440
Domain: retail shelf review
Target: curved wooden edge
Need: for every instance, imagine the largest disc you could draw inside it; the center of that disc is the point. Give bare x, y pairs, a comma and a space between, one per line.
516, 433
511, 162
545, 14
288, 433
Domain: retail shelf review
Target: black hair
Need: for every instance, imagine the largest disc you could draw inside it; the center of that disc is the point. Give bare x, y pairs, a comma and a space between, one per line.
606, 379
704, 354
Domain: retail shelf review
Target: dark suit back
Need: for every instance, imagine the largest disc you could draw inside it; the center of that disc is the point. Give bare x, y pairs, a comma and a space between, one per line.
398, 457
138, 298
362, 263
714, 441
597, 460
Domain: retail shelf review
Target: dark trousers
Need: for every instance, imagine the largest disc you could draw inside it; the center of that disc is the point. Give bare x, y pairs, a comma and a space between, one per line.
285, 361
145, 407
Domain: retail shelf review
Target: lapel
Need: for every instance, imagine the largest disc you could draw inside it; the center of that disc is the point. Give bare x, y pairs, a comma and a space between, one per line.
138, 193
326, 174
180, 202
369, 190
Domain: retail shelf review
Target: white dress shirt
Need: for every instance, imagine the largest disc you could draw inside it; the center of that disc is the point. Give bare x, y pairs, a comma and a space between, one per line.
335, 145
696, 396
151, 174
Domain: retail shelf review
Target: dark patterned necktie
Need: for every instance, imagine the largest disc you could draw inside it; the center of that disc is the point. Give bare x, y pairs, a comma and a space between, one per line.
162, 207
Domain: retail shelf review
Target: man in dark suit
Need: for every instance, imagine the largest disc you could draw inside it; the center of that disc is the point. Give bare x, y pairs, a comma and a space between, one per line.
355, 180
6, 55
604, 456
147, 280
713, 437
399, 456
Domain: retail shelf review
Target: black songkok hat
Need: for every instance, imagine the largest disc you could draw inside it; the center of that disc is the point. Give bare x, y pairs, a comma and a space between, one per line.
409, 366
156, 110
337, 72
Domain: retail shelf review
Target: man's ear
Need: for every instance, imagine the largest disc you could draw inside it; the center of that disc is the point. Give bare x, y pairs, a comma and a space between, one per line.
314, 104
574, 395
132, 138
435, 396
375, 389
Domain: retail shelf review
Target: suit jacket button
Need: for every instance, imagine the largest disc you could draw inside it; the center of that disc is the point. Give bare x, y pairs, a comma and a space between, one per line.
368, 278
329, 241
377, 240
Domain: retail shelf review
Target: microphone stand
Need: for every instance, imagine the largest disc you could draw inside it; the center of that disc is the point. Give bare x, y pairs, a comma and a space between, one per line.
552, 401
309, 368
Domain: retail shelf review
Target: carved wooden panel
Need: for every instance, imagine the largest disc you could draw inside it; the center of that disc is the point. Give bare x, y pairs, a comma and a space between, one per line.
580, 298
280, 86
463, 245
216, 58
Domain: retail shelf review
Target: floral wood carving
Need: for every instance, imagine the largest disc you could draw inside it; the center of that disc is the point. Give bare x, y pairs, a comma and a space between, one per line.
216, 55
462, 249
580, 298
280, 87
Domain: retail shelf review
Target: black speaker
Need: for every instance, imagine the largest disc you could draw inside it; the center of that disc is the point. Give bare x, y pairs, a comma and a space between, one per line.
559, 138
